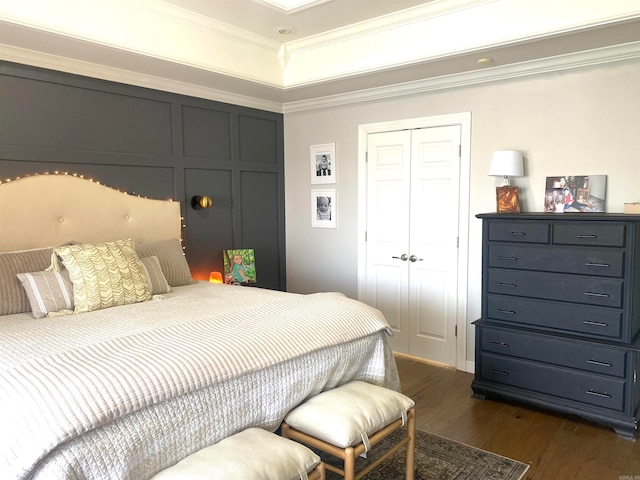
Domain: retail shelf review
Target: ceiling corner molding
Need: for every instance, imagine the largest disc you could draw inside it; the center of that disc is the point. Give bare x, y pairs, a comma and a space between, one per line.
620, 53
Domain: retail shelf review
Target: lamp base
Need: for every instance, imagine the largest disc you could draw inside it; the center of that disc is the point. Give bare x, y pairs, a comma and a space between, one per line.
507, 200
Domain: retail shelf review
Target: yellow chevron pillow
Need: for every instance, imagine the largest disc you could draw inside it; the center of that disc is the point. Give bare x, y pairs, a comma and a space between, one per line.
104, 274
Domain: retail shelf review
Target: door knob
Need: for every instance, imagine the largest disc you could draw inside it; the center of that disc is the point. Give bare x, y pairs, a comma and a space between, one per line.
413, 258
404, 257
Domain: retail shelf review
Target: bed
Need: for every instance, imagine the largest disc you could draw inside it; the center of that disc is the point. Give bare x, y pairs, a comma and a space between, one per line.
123, 390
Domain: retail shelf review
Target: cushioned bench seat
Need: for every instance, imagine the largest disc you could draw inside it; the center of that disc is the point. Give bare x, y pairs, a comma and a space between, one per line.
348, 420
253, 454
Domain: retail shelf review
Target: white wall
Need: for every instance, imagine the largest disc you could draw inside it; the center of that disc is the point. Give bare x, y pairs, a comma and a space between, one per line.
578, 122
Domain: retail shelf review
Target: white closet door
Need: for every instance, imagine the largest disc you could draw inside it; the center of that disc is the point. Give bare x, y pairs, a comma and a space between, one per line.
433, 237
388, 201
412, 218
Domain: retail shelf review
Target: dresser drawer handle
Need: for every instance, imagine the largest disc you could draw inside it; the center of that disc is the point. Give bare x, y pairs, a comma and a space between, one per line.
509, 312
588, 264
500, 344
600, 364
593, 294
586, 236
598, 394
510, 285
500, 257
518, 234
595, 324
500, 372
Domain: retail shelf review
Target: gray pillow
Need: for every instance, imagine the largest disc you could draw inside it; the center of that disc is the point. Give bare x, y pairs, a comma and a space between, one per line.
155, 277
13, 298
171, 258
48, 292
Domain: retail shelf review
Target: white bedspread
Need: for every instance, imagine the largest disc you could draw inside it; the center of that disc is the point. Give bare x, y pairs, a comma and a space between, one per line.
107, 385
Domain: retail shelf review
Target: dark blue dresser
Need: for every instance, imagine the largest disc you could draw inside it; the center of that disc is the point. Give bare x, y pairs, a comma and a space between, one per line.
561, 314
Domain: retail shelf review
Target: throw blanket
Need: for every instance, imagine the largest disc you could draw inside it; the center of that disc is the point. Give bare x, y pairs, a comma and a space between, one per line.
47, 400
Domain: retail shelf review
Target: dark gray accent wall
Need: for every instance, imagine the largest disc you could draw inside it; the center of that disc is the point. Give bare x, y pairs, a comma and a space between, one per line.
158, 145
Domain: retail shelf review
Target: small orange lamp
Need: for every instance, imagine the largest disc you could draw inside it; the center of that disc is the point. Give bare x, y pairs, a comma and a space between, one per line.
215, 277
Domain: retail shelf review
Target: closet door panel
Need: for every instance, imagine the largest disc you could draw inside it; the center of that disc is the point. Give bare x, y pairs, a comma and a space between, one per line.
388, 200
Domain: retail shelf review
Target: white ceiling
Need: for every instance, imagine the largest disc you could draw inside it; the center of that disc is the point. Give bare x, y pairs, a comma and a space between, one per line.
232, 50
318, 16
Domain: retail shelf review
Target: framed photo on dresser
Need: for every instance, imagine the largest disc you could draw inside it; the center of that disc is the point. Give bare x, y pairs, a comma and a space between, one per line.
575, 193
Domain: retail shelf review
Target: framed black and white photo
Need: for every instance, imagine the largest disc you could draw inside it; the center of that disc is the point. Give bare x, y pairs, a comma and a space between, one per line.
323, 208
323, 163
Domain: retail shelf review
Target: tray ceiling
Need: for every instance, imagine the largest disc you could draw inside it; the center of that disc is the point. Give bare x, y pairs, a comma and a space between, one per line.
235, 51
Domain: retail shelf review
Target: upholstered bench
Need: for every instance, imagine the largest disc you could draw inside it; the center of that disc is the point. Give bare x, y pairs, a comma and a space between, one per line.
253, 454
347, 421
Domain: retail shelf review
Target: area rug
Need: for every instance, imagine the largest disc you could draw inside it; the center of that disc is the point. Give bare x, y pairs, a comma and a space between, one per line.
437, 458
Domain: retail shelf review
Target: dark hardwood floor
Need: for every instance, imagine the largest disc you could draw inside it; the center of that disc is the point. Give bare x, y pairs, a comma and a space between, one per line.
557, 447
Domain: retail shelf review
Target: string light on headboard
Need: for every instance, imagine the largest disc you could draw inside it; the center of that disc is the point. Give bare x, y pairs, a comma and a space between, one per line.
79, 175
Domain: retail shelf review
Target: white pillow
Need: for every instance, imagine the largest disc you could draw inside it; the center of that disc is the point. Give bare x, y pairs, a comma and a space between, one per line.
350, 413
251, 453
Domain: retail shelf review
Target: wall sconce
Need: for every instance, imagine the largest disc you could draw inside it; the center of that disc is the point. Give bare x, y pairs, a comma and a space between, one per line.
507, 163
215, 277
200, 202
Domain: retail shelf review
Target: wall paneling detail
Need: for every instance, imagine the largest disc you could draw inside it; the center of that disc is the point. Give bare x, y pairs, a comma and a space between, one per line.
158, 145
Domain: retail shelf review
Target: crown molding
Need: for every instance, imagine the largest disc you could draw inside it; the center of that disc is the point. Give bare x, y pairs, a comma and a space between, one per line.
392, 21
596, 57
619, 53
195, 21
102, 72
148, 28
438, 31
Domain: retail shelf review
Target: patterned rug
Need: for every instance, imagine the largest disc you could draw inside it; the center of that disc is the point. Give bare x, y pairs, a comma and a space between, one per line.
438, 458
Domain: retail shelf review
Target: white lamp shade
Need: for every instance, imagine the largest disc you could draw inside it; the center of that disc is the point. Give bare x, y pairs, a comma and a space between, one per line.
506, 163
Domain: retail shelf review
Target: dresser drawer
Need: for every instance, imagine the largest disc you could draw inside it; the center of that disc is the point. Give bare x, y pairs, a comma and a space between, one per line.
587, 388
605, 234
570, 318
584, 261
556, 351
514, 231
555, 286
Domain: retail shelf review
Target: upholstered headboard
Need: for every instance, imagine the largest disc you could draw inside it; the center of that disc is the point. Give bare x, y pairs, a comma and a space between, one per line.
47, 210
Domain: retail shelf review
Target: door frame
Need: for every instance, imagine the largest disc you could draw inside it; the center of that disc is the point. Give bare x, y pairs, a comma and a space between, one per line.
464, 120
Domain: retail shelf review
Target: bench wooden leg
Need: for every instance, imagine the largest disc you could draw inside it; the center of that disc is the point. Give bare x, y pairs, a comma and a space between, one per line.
411, 446
318, 473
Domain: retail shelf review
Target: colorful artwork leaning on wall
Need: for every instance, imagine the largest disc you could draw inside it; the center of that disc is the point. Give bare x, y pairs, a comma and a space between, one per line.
575, 193
239, 266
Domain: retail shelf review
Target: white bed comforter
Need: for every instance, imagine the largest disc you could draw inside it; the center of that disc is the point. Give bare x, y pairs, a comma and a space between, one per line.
128, 391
